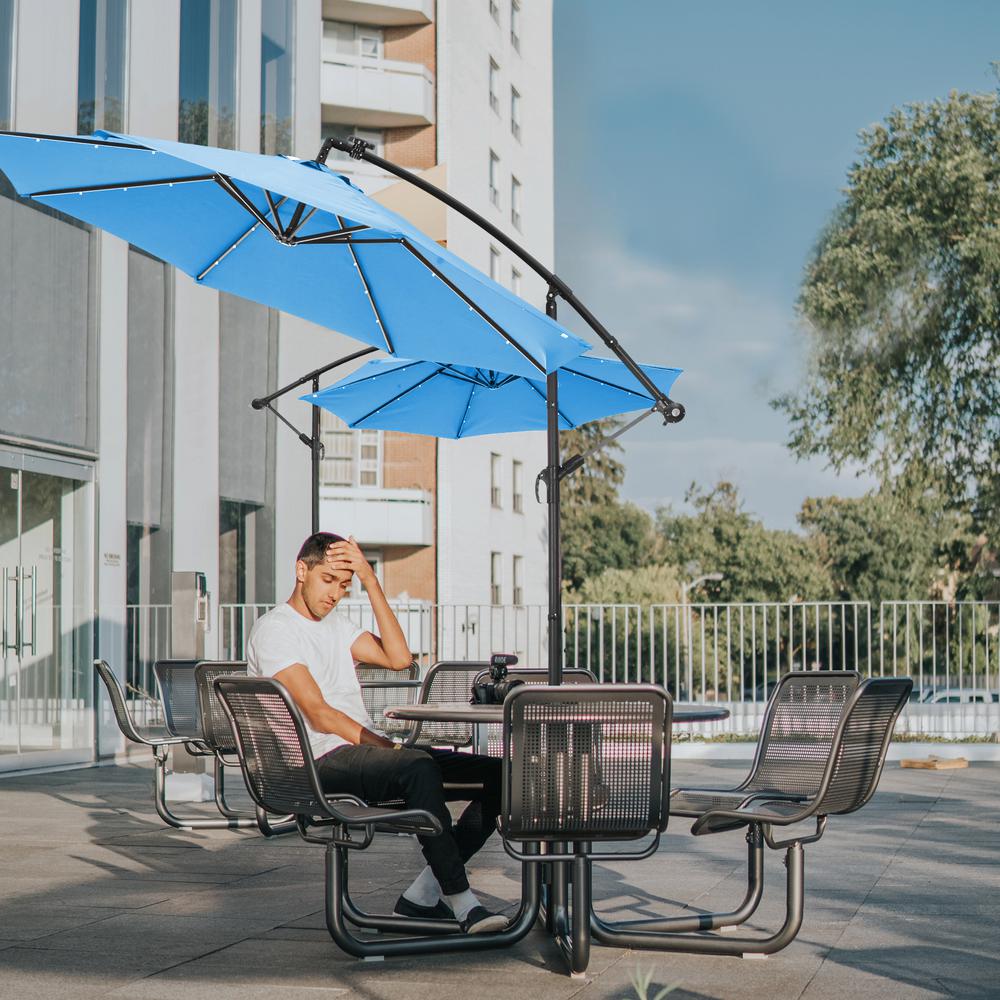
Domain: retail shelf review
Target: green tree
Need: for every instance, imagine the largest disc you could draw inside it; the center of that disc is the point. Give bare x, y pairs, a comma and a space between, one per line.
757, 564
900, 302
888, 546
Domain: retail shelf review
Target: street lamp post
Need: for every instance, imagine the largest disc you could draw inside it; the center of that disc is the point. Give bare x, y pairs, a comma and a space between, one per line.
686, 588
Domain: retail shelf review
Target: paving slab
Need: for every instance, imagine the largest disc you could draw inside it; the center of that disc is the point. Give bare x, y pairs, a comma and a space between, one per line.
99, 899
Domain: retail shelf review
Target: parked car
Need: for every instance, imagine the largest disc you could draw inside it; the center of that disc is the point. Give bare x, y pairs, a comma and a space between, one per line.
959, 696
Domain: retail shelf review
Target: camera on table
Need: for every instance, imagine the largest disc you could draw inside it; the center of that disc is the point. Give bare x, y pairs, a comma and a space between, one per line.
496, 689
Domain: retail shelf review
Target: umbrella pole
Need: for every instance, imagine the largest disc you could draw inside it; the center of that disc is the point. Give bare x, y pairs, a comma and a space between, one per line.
317, 450
552, 498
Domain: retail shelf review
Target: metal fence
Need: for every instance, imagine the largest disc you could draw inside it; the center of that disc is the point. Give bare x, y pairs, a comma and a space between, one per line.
732, 653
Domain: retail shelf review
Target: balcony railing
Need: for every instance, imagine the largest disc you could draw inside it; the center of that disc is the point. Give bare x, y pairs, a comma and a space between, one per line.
379, 93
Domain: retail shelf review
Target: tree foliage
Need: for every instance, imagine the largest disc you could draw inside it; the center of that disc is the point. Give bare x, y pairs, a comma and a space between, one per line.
901, 305
598, 479
757, 564
605, 536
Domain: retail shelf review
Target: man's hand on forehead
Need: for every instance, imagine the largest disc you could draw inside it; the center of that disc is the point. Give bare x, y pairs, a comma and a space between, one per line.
347, 556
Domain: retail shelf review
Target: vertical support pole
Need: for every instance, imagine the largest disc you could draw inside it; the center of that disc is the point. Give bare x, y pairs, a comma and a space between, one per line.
552, 498
316, 451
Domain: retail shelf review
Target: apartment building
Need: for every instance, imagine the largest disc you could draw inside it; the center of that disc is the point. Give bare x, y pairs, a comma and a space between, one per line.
128, 450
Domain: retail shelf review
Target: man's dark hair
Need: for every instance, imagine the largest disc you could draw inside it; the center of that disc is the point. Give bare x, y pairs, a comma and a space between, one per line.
313, 550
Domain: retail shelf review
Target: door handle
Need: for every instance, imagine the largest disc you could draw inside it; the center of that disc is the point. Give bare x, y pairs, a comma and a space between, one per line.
33, 576
7, 644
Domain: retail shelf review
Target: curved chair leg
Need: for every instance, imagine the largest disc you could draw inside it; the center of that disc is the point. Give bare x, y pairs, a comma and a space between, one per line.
714, 921
715, 944
270, 827
571, 927
382, 947
220, 793
192, 822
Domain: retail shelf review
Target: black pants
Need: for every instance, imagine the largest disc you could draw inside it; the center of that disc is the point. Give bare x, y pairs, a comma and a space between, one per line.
376, 774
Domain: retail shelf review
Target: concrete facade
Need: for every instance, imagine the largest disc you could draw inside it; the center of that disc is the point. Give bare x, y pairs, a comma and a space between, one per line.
451, 43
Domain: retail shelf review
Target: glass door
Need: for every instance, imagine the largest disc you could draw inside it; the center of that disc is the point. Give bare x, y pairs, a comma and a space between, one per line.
46, 589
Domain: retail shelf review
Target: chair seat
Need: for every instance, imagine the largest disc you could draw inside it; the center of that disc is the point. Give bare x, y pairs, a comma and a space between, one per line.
382, 818
697, 801
758, 811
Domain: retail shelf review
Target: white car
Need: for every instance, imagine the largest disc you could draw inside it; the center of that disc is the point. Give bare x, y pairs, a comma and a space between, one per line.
959, 696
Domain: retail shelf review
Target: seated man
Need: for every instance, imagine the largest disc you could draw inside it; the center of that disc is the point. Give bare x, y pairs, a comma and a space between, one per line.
312, 649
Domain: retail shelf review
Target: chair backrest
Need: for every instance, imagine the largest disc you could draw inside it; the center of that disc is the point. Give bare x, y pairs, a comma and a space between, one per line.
858, 754
529, 675
175, 679
216, 730
801, 721
271, 742
377, 698
117, 695
448, 680
586, 762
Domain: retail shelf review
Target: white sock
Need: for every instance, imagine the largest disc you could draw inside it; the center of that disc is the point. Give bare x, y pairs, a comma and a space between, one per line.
462, 903
425, 890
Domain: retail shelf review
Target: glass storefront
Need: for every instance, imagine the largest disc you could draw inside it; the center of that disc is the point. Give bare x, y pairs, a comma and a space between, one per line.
46, 565
207, 106
103, 66
6, 63
277, 54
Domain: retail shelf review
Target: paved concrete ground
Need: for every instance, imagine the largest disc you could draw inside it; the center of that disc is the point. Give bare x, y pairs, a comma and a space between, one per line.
99, 899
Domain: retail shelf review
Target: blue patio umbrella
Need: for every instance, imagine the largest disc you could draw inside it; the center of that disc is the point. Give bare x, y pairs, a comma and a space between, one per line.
292, 234
456, 401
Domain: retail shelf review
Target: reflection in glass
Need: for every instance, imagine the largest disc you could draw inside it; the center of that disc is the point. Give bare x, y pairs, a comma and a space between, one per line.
207, 106
102, 66
277, 53
6, 63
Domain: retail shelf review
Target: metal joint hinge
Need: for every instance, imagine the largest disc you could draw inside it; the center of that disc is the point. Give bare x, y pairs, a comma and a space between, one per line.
672, 413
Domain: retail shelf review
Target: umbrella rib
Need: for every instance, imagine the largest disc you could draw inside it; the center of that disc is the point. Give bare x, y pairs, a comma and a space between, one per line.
227, 185
371, 298
328, 236
298, 219
472, 305
398, 396
122, 185
601, 381
468, 403
232, 246
546, 398
274, 212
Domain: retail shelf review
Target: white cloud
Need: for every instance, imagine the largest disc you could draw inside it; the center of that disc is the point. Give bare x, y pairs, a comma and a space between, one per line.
739, 349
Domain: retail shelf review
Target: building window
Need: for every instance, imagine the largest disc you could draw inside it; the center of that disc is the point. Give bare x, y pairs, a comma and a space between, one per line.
515, 202
496, 493
350, 458
494, 263
277, 72
496, 578
494, 87
495, 10
494, 178
362, 41
515, 113
517, 488
207, 99
517, 580
376, 136
515, 281
515, 25
101, 81
6, 63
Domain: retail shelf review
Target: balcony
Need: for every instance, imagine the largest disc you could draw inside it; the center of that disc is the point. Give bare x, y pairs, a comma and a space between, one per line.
389, 13
378, 93
378, 516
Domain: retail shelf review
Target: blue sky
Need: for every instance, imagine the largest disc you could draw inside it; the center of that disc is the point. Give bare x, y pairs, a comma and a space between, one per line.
699, 149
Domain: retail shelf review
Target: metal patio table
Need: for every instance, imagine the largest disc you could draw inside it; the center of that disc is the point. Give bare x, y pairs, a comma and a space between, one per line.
556, 881
461, 711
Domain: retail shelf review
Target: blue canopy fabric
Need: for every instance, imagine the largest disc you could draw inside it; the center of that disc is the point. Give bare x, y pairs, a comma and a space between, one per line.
456, 401
294, 235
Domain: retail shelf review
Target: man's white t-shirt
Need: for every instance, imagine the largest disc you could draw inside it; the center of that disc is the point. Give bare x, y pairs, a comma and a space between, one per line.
283, 637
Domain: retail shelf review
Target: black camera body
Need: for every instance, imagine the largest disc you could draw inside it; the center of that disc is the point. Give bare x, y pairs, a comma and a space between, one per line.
496, 689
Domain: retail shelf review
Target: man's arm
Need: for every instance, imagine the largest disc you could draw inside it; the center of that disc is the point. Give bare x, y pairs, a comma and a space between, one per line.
390, 648
320, 715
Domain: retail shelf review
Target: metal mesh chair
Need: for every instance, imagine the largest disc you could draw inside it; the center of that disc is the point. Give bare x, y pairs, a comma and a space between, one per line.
159, 741
447, 680
281, 774
583, 762
382, 687
218, 736
850, 774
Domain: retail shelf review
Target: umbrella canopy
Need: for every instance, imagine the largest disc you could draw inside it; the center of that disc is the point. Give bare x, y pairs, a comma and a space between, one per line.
456, 401
292, 234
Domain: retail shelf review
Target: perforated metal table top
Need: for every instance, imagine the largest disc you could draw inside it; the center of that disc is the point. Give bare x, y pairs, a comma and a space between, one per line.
460, 711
